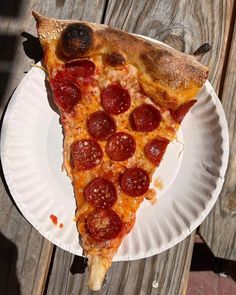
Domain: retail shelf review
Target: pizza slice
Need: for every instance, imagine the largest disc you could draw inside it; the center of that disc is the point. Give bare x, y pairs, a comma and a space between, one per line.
121, 100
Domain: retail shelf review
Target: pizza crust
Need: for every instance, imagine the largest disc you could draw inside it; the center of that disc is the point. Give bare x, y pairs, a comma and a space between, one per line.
98, 267
169, 77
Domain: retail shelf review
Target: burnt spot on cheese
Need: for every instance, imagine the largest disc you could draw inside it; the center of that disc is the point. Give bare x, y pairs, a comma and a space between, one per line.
77, 40
114, 59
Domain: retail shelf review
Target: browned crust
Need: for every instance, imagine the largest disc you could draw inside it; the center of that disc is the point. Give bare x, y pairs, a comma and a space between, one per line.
168, 76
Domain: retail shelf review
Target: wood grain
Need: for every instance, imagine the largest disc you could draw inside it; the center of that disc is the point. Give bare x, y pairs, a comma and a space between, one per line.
169, 269
185, 25
24, 254
219, 229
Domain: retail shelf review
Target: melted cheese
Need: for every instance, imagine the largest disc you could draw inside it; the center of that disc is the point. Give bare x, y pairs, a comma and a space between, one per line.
74, 125
75, 128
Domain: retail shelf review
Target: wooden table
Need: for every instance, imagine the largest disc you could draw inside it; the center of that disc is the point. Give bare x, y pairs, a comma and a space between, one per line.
29, 263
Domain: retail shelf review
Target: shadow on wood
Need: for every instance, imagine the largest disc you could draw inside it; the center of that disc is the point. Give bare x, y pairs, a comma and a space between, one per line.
79, 265
9, 283
7, 55
32, 47
60, 3
204, 260
10, 8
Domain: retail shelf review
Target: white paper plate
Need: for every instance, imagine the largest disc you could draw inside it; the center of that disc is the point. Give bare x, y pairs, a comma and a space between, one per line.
31, 152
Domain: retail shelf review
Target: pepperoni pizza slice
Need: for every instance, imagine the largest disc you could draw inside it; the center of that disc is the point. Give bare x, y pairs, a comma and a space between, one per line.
121, 100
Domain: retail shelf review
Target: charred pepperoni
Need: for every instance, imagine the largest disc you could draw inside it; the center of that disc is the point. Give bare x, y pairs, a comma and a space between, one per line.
101, 125
145, 118
115, 99
104, 225
81, 68
120, 146
155, 150
85, 154
101, 193
65, 92
135, 182
179, 114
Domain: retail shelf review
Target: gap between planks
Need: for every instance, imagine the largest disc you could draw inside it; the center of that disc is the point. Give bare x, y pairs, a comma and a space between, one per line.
228, 47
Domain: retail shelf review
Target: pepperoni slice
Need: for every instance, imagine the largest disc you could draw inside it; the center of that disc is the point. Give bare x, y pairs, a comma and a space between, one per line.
135, 182
66, 93
155, 150
179, 114
80, 68
85, 154
101, 193
104, 224
115, 99
101, 125
120, 146
145, 118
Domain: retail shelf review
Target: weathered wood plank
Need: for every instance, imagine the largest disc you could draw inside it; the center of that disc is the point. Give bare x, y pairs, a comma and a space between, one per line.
24, 254
186, 25
169, 269
145, 17
219, 228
